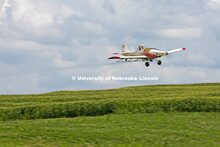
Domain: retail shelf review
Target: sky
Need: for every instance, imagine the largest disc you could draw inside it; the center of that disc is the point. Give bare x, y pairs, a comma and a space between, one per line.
43, 44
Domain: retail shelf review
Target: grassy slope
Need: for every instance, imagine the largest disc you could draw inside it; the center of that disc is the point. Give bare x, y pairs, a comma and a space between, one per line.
210, 90
141, 99
150, 129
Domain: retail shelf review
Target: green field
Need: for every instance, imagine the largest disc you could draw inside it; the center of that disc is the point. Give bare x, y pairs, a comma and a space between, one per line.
149, 129
159, 115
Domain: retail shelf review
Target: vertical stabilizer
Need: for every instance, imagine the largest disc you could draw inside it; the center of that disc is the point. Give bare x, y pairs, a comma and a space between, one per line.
124, 48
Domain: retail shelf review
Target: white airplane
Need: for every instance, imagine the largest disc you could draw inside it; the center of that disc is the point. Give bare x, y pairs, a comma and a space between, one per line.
142, 54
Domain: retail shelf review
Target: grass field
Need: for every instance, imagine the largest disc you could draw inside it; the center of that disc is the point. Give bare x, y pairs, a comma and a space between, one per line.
149, 129
159, 115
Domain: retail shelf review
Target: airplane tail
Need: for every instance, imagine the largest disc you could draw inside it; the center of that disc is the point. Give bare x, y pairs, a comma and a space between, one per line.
125, 48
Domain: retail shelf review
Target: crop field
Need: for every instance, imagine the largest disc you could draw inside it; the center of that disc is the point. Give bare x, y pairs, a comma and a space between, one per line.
149, 129
160, 115
141, 99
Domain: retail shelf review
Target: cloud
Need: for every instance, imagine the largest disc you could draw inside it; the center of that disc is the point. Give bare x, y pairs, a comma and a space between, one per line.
41, 21
4, 7
191, 33
214, 4
43, 44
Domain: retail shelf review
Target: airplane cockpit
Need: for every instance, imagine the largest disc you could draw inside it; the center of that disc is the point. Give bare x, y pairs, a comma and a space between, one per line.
141, 47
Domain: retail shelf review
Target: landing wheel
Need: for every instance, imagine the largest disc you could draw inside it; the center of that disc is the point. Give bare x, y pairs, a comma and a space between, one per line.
147, 64
159, 62
151, 60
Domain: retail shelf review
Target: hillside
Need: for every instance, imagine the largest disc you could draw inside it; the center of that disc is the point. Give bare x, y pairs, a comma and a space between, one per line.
141, 99
126, 130
154, 115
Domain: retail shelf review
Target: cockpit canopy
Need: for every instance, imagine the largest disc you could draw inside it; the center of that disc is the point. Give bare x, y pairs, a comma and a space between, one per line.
141, 47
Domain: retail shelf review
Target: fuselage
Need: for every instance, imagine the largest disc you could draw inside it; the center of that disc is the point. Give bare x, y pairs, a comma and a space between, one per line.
148, 52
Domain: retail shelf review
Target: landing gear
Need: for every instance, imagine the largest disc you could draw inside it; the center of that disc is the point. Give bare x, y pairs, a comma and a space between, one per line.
147, 64
159, 62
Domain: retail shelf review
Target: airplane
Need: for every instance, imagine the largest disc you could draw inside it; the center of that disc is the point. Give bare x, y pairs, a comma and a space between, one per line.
142, 54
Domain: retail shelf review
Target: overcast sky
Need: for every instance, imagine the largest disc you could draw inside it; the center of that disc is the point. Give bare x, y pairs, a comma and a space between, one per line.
44, 43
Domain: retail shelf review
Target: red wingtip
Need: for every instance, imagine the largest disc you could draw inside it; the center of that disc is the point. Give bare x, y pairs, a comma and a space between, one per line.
116, 53
184, 48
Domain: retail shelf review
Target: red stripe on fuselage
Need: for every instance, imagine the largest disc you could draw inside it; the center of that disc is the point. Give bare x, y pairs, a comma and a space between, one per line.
151, 56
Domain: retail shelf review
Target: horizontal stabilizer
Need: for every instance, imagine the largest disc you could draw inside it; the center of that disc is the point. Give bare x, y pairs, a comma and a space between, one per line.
115, 57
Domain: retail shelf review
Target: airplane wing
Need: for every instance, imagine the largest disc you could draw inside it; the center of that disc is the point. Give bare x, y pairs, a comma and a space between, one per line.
128, 57
176, 50
146, 56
